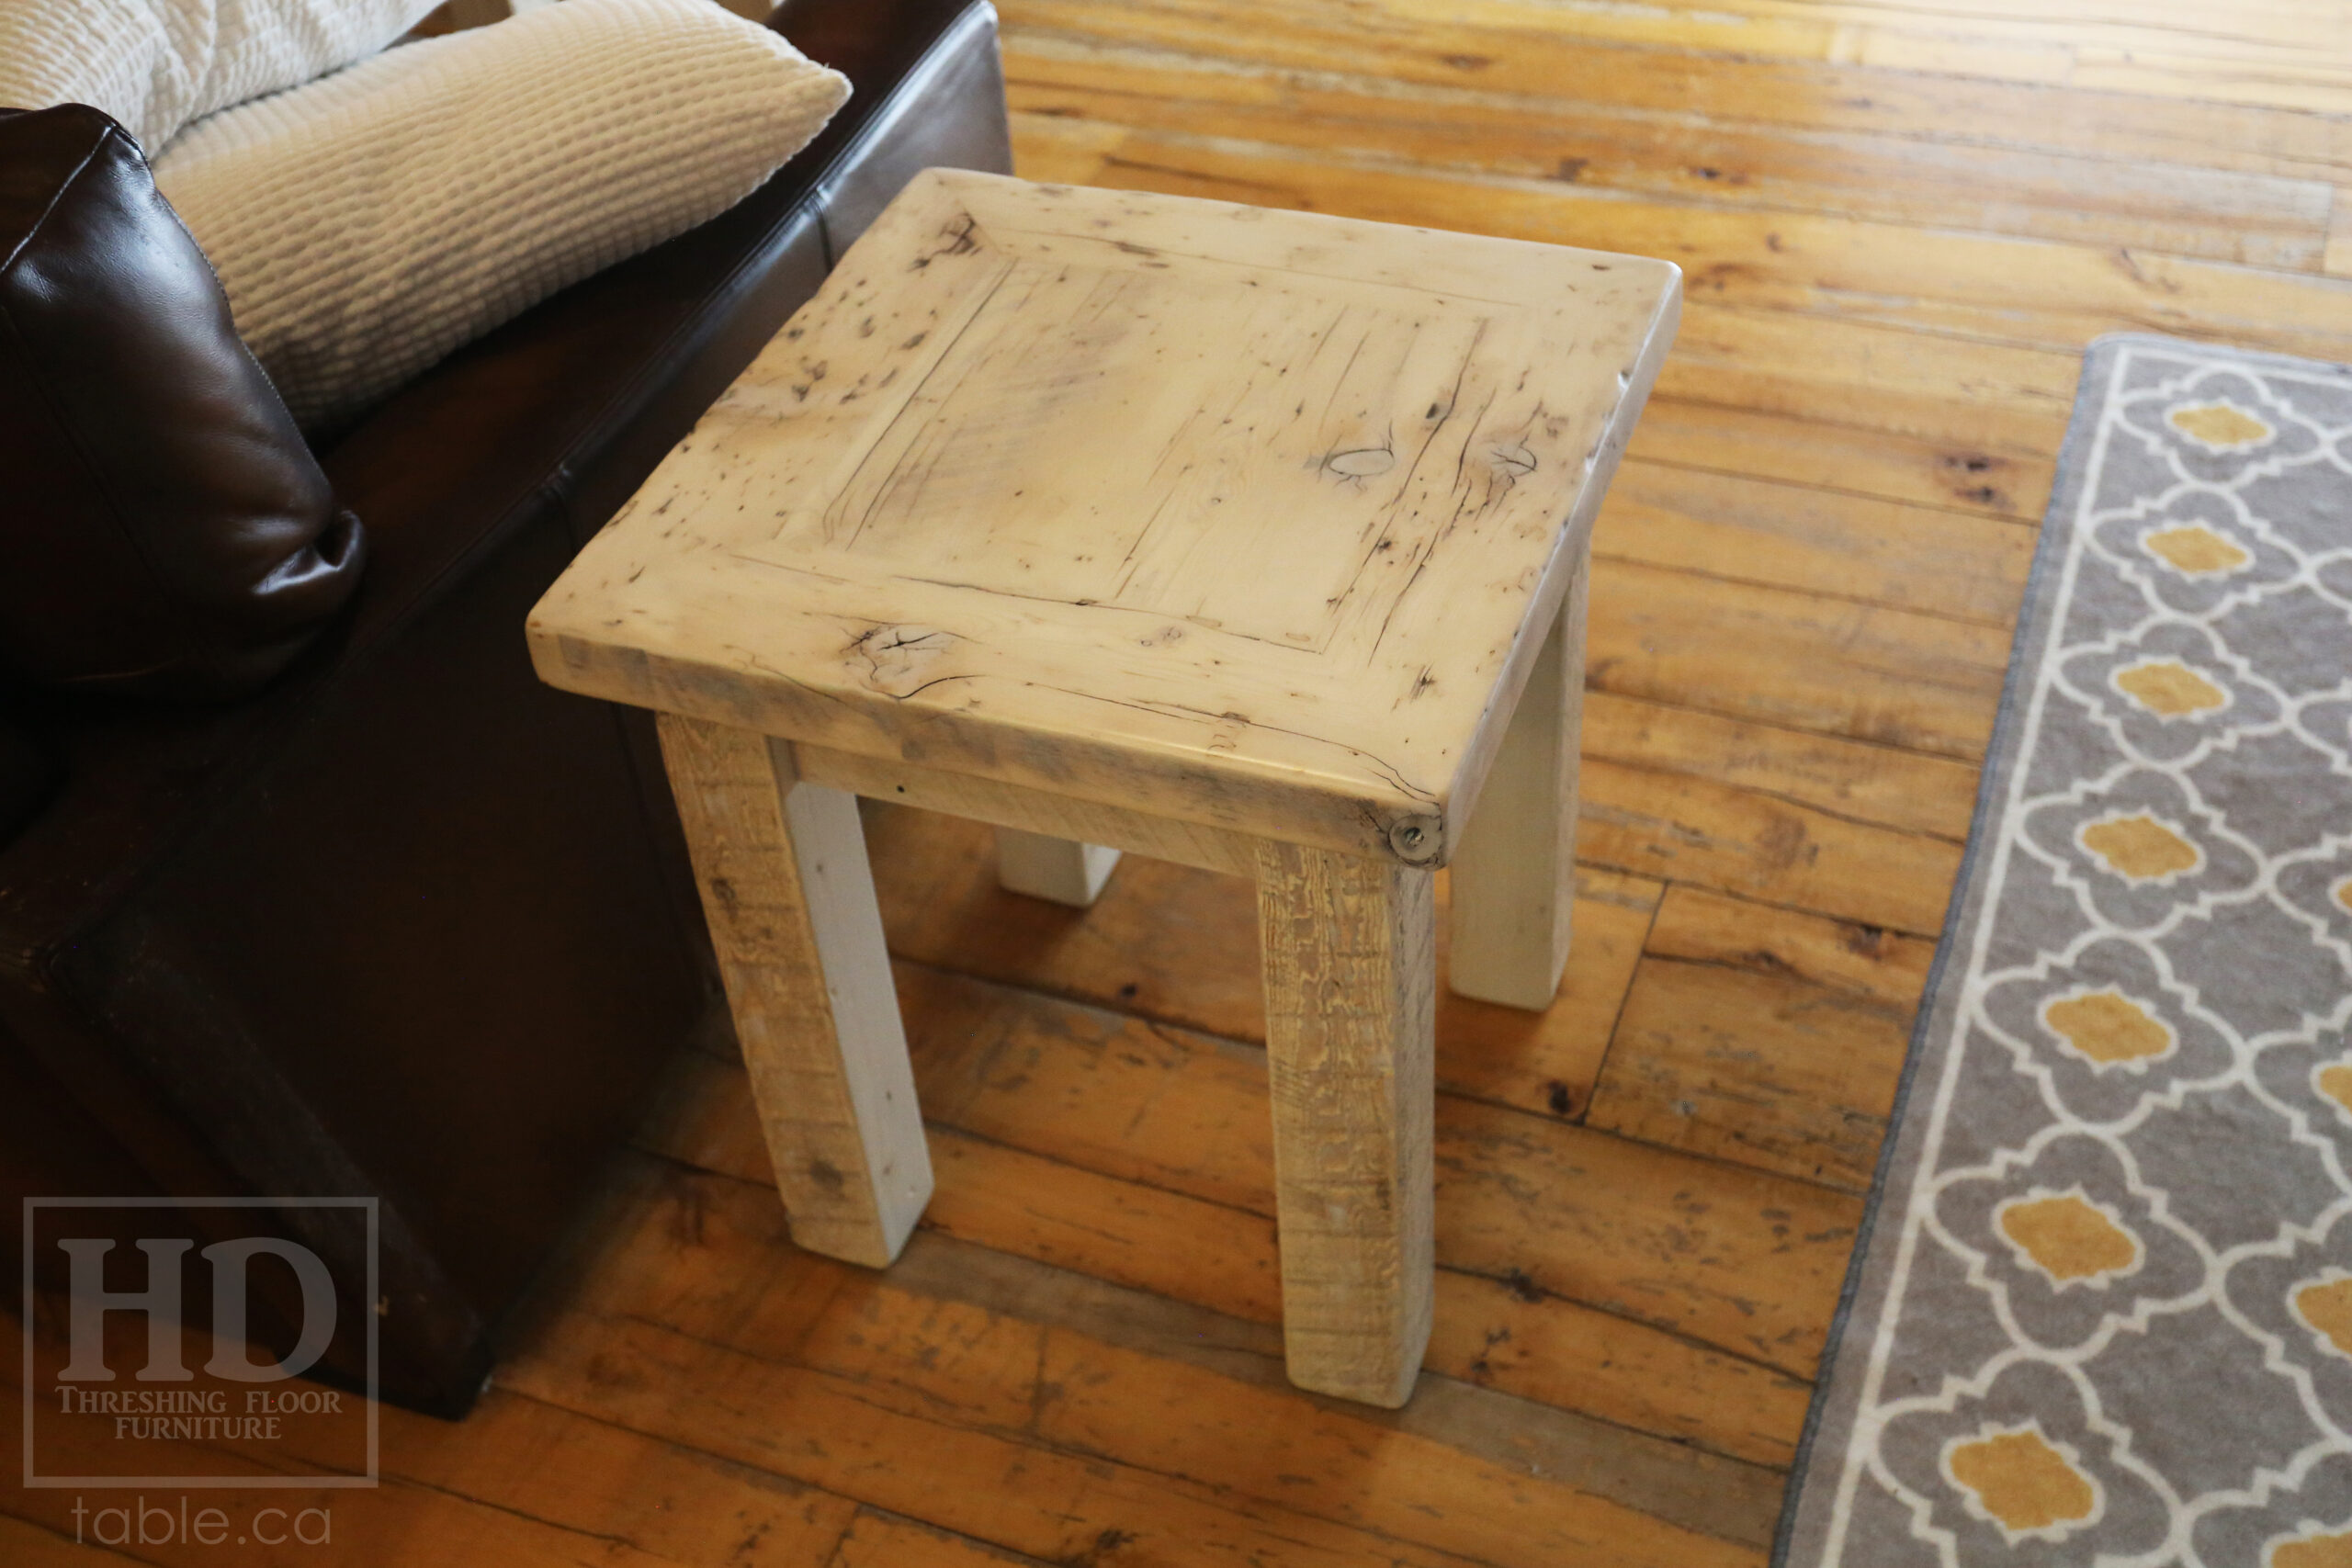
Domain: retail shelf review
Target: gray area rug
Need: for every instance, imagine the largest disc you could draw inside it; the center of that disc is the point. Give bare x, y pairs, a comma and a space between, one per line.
2102, 1313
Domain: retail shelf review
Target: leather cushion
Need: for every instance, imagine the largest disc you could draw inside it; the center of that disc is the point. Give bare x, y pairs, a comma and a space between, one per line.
167, 532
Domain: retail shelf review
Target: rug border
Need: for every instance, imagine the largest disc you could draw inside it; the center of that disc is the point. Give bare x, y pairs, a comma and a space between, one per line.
2034, 628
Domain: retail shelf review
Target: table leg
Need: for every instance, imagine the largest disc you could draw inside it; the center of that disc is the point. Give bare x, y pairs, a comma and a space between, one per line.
1514, 871
1350, 959
790, 900
1061, 870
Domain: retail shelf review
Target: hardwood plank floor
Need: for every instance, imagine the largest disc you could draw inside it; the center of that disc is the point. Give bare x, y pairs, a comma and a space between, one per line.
1901, 221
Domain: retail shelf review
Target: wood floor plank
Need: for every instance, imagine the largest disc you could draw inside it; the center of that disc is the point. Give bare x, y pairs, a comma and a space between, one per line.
1565, 1355
1800, 537
2232, 61
1764, 1036
1962, 394
1261, 1442
1499, 1348
2034, 293
1756, 1069
2220, 39
1144, 1237
1695, 925
1026, 1372
1180, 944
1795, 659
886, 1540
2184, 74
1713, 1496
1670, 825
1735, 1258
673, 1501
517, 1481
1536, 60
1520, 1196
2230, 215
396, 1522
1873, 465
1496, 1333
1883, 785
25, 1544
831, 1431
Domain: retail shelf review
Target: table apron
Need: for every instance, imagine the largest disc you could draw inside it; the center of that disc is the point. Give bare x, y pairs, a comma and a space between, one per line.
1031, 810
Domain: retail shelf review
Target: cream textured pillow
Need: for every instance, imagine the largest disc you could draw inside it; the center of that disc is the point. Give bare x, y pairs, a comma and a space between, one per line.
366, 224
154, 65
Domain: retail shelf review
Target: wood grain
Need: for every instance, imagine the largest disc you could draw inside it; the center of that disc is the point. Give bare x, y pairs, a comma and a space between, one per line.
1413, 430
2030, 293
1351, 967
1180, 946
518, 1481
2190, 52
879, 1539
1553, 1208
1595, 140
1684, 827
790, 899
1777, 535
1033, 811
991, 1486
1756, 1069
31, 1545
1885, 785
1526, 54
1804, 661
1901, 221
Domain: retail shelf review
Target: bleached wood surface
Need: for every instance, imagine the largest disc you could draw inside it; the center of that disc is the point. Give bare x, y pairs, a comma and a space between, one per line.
1514, 874
1123, 522
782, 867
1061, 871
1031, 810
1245, 518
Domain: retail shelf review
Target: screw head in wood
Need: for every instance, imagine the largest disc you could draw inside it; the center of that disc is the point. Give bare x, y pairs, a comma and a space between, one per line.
1416, 839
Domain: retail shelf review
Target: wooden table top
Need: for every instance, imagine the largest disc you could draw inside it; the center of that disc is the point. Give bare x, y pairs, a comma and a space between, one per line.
1248, 518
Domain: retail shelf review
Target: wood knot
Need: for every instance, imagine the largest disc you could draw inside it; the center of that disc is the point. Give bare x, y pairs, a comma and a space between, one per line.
897, 660
1362, 463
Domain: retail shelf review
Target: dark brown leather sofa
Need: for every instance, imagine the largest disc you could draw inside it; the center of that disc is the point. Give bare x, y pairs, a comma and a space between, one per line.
410, 924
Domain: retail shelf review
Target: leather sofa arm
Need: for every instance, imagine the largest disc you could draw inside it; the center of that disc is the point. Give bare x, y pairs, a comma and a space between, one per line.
565, 408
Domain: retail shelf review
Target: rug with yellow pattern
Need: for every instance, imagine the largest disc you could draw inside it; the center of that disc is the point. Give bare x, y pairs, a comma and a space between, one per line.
2102, 1313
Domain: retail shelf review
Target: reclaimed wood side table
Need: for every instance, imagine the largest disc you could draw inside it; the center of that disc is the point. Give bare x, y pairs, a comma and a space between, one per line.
1248, 539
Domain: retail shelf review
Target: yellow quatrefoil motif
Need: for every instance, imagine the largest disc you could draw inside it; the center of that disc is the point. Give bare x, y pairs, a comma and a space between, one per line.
2196, 550
2067, 1238
2327, 1307
2170, 688
2314, 1552
2023, 1482
2108, 1027
2221, 425
2334, 1080
2140, 848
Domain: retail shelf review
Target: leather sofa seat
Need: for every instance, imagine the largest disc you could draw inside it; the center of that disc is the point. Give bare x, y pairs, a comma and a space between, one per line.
409, 923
